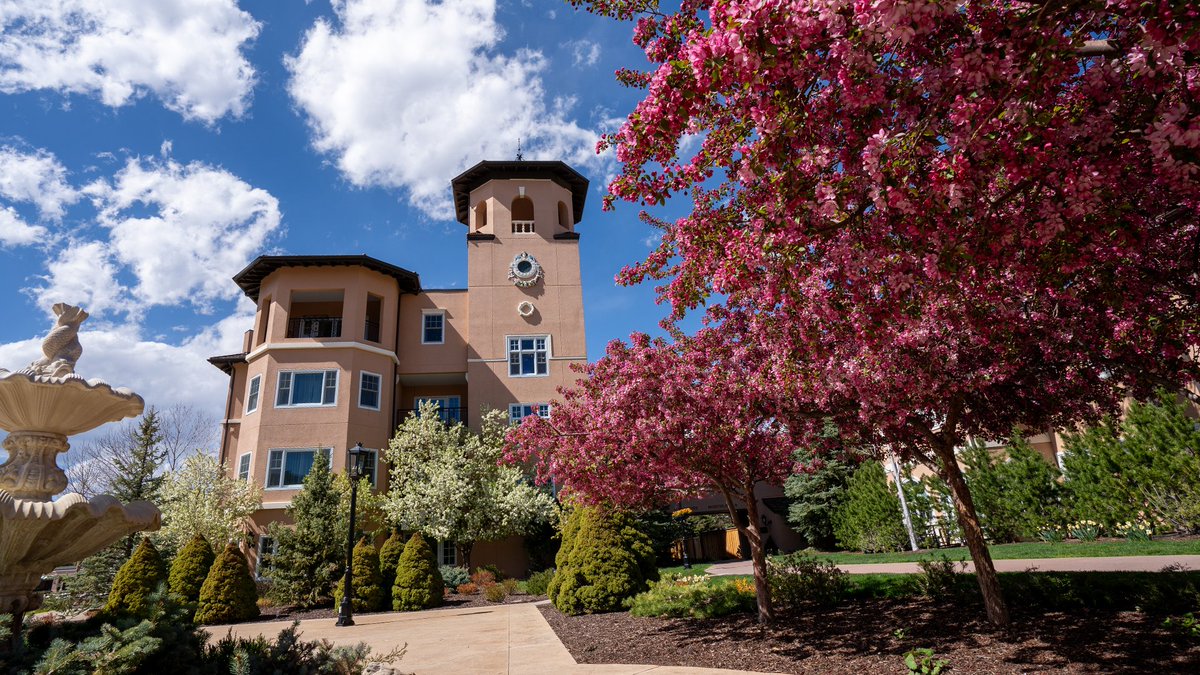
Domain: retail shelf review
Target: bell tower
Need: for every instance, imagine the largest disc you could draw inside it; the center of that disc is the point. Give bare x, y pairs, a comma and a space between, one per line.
523, 276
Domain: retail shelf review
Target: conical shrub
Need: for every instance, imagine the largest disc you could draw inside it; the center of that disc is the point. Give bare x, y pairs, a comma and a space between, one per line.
604, 560
389, 558
190, 568
366, 581
135, 581
228, 594
418, 582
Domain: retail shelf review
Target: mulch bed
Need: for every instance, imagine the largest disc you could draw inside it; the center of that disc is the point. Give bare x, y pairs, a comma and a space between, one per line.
858, 638
451, 601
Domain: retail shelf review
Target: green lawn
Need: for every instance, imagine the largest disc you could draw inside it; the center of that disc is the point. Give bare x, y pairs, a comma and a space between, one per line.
1067, 549
697, 568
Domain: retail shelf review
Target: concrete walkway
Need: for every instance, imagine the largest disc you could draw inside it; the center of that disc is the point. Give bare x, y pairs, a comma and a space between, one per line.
505, 640
1148, 563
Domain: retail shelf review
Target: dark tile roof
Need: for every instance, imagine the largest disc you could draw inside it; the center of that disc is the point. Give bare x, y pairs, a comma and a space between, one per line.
250, 279
482, 172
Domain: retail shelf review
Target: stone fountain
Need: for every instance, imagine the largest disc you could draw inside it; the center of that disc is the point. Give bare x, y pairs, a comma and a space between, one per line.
40, 406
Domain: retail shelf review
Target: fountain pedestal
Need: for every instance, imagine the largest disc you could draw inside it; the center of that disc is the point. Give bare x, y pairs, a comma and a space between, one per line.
40, 407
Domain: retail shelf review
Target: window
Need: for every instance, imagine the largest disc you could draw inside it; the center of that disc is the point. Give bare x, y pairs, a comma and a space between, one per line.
368, 390
307, 388
447, 553
517, 411
370, 465
449, 407
522, 214
433, 331
527, 355
244, 467
287, 468
252, 396
266, 549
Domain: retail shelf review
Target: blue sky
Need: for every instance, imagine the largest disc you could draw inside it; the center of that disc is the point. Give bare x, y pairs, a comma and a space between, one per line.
149, 149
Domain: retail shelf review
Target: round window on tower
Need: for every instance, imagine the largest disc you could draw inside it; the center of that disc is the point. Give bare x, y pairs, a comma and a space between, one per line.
524, 270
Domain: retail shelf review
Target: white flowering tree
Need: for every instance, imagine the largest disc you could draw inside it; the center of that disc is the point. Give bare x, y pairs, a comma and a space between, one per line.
199, 497
447, 483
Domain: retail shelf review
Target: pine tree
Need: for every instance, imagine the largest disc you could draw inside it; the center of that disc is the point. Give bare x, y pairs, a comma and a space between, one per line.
190, 568
418, 582
137, 579
309, 555
229, 594
366, 580
389, 558
136, 473
870, 519
815, 497
603, 561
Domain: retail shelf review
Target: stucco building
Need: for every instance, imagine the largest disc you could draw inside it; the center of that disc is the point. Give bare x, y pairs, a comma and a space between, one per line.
343, 346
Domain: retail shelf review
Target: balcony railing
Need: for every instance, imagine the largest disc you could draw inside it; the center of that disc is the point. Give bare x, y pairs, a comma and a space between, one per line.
315, 327
371, 331
448, 415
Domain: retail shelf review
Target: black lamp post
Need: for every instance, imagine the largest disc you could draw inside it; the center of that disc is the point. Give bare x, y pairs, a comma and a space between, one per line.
355, 457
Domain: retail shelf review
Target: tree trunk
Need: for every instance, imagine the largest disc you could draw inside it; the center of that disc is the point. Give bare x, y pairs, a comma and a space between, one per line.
985, 570
464, 554
762, 592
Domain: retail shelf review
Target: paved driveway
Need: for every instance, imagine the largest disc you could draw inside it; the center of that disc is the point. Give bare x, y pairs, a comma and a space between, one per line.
1148, 563
505, 639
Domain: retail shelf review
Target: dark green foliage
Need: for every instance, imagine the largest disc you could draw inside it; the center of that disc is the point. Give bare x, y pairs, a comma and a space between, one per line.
190, 568
137, 579
309, 555
389, 557
90, 588
366, 580
798, 580
229, 594
938, 578
453, 577
289, 654
418, 583
702, 600
538, 582
1016, 493
136, 475
1148, 462
870, 519
604, 560
662, 529
815, 497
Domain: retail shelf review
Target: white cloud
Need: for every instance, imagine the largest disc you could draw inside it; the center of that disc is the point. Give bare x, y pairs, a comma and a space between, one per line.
36, 178
84, 274
185, 52
16, 232
584, 52
181, 230
407, 93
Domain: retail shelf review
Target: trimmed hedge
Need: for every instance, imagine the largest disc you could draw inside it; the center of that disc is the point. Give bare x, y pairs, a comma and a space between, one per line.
604, 560
137, 579
389, 557
418, 583
190, 568
229, 594
366, 580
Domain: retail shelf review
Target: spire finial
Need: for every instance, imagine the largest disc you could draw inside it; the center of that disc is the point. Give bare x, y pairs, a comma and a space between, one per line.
520, 155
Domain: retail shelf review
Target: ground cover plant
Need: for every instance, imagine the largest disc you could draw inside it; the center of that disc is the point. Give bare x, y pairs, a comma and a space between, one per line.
1102, 548
941, 220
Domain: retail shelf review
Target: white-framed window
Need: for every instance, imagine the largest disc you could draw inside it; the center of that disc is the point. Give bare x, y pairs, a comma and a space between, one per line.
447, 553
299, 388
433, 328
449, 407
368, 390
528, 355
244, 467
252, 394
517, 411
266, 549
287, 467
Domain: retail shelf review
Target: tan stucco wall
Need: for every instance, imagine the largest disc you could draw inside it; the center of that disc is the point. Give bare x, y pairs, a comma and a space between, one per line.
449, 357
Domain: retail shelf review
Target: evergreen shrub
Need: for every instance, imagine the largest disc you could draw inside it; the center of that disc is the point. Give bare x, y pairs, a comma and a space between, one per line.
190, 568
137, 579
229, 594
453, 576
870, 520
495, 593
418, 583
603, 561
466, 589
538, 582
366, 580
797, 579
695, 597
389, 557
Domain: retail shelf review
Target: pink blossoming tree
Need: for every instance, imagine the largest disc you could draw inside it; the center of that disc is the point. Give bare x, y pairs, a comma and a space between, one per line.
654, 422
945, 219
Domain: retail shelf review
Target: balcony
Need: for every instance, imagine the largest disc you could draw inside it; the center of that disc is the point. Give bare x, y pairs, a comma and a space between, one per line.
315, 327
448, 414
371, 331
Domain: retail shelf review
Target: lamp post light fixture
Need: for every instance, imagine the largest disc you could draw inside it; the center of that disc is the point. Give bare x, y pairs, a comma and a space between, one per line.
355, 459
